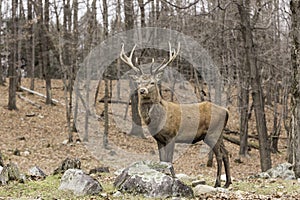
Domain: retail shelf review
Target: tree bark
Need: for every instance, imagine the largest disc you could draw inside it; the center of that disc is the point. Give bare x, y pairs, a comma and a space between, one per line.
1, 66
129, 19
295, 57
142, 9
46, 62
13, 59
244, 113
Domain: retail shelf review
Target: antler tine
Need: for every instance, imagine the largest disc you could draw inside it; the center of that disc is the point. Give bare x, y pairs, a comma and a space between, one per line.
172, 54
128, 60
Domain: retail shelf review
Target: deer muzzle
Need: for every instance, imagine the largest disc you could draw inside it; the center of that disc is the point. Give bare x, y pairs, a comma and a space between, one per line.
143, 91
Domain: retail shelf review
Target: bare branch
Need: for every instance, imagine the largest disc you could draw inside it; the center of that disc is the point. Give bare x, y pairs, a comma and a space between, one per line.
179, 7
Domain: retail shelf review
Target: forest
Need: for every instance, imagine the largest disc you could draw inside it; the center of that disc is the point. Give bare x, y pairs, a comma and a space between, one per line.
66, 92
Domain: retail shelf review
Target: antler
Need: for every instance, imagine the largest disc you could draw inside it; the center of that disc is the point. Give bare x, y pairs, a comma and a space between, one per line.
173, 54
128, 60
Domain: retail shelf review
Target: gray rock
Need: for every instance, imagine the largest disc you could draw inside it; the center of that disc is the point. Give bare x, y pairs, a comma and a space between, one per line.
11, 172
264, 175
203, 189
99, 170
117, 194
283, 171
145, 177
36, 173
79, 183
222, 190
119, 172
184, 178
68, 163
198, 182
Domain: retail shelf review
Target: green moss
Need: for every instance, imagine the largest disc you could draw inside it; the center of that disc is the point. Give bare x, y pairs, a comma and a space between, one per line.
44, 189
267, 187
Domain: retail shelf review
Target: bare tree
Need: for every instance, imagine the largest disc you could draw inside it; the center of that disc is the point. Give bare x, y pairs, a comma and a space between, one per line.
295, 89
46, 59
30, 45
257, 93
13, 59
2, 77
106, 119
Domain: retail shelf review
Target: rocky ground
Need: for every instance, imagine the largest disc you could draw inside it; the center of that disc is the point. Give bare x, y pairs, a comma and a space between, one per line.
32, 136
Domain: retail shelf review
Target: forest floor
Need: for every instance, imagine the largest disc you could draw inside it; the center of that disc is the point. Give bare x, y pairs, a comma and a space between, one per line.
31, 136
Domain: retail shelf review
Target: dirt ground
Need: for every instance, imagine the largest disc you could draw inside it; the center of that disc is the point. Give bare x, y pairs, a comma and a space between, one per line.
32, 136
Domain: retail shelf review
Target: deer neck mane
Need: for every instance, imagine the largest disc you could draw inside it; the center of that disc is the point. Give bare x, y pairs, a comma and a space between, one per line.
146, 107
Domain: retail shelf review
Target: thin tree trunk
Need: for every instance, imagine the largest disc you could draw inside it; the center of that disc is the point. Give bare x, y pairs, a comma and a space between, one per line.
13, 59
1, 66
244, 113
19, 45
295, 57
74, 65
106, 122
276, 122
142, 9
45, 53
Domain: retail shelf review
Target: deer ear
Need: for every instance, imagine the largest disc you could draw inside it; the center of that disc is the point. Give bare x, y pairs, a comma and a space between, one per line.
159, 75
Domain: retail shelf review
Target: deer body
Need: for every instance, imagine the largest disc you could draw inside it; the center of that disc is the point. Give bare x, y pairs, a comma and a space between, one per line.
171, 123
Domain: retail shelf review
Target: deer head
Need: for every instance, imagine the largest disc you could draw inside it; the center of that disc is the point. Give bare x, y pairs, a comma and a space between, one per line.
147, 83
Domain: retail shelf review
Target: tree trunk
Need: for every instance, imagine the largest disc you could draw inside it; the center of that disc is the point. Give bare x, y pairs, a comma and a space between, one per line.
276, 121
136, 128
21, 20
13, 59
1, 66
142, 9
46, 62
129, 19
74, 66
30, 45
106, 120
244, 116
295, 57
255, 81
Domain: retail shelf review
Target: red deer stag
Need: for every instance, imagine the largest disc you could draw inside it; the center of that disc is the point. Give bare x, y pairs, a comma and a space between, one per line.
170, 123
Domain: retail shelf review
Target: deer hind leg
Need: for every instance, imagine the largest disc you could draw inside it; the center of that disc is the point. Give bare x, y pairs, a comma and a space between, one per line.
210, 159
166, 153
218, 153
226, 165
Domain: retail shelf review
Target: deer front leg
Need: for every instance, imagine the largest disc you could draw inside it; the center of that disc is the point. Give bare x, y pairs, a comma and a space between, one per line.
166, 154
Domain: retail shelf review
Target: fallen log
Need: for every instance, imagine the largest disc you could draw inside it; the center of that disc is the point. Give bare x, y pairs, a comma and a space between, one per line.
39, 94
29, 101
237, 141
228, 131
113, 101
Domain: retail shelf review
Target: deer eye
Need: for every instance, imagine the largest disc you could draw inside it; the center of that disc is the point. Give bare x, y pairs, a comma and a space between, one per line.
152, 83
